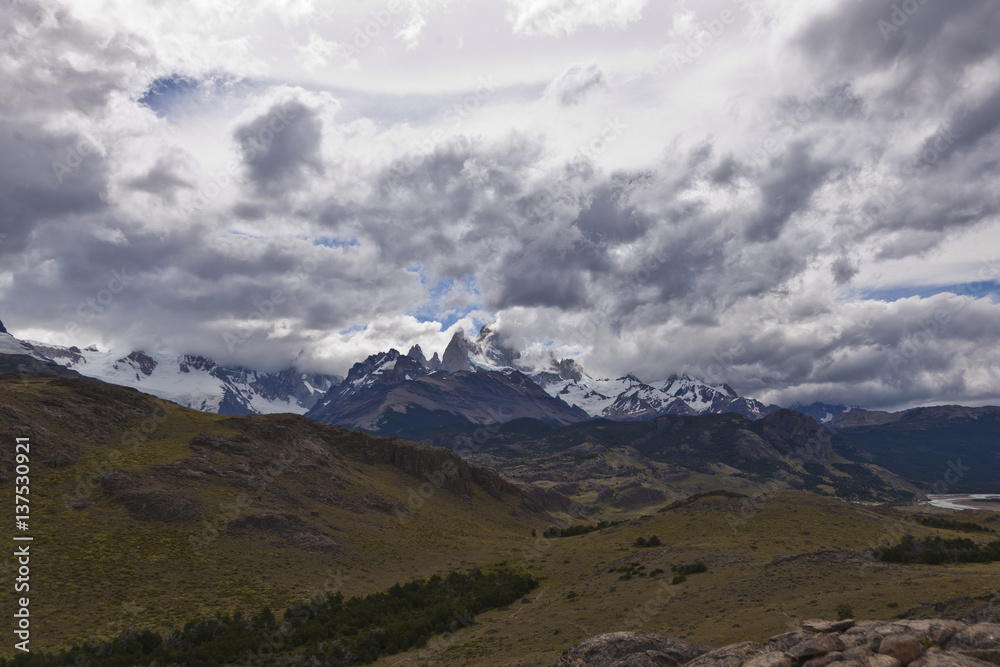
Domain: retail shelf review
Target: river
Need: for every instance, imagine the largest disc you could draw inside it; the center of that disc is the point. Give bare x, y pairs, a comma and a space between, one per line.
966, 501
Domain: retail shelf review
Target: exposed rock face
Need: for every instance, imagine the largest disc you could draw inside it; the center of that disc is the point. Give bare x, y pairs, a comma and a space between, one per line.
917, 643
456, 355
141, 361
2, 328
631, 649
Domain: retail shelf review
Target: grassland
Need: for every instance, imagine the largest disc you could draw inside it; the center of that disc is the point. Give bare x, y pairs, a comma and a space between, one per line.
340, 518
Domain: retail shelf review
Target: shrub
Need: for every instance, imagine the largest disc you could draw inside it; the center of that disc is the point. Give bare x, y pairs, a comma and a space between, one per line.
690, 568
844, 612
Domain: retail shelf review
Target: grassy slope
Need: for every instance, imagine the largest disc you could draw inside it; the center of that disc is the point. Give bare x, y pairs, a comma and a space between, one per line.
742, 596
97, 570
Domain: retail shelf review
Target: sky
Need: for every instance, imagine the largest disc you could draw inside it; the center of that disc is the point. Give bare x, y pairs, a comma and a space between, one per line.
799, 199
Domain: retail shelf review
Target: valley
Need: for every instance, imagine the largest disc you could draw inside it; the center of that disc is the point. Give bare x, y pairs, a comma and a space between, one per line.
152, 515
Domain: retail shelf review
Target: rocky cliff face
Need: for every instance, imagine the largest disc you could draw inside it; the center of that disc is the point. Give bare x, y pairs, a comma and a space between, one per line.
916, 643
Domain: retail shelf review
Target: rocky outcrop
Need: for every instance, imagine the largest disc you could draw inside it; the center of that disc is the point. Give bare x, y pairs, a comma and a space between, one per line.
631, 649
898, 643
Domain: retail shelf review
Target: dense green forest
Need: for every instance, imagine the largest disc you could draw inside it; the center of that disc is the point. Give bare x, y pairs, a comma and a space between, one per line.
938, 550
325, 631
951, 524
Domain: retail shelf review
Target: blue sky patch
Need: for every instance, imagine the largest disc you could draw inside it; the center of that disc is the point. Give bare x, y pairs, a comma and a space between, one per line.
977, 290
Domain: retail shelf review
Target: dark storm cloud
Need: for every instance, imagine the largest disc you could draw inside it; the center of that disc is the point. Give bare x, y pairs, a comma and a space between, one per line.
785, 190
36, 84
281, 147
968, 128
45, 177
919, 39
607, 217
843, 270
163, 179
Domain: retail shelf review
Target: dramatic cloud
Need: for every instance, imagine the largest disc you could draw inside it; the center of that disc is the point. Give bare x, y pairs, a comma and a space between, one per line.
799, 199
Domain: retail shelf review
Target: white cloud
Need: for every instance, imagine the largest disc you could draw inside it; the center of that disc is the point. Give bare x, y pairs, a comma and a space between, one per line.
411, 32
564, 17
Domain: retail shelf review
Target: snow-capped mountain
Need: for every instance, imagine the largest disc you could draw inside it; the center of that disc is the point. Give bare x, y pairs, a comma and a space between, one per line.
391, 392
192, 381
470, 382
702, 397
629, 398
623, 398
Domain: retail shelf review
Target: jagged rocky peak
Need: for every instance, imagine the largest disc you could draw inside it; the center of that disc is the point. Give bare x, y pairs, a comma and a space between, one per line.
566, 369
435, 363
456, 355
2, 328
417, 354
383, 368
490, 344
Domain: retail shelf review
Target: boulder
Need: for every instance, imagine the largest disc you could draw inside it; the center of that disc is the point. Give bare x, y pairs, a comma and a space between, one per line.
981, 641
769, 659
815, 646
630, 649
786, 641
934, 658
733, 655
819, 625
903, 647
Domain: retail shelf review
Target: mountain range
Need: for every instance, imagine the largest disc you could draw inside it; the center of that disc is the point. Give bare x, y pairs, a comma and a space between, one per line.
478, 381
193, 381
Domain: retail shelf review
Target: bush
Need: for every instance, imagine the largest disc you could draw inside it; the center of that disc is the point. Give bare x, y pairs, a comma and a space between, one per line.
690, 568
951, 524
651, 541
937, 550
844, 612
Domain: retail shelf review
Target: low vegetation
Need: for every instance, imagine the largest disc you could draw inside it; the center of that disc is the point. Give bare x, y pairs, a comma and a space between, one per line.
331, 630
553, 531
681, 572
951, 524
938, 550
